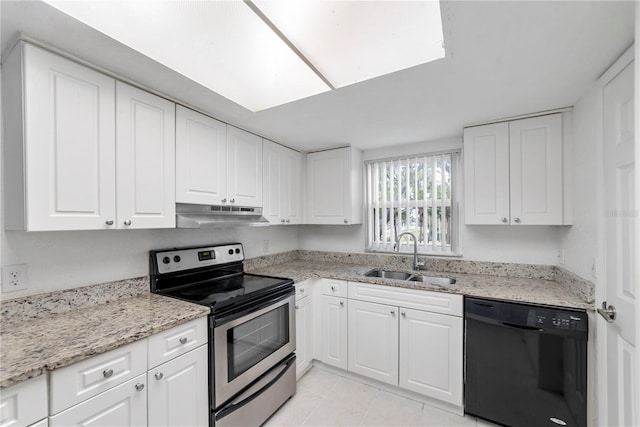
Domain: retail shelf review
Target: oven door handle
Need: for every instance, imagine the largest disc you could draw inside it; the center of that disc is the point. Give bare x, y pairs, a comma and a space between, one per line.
256, 389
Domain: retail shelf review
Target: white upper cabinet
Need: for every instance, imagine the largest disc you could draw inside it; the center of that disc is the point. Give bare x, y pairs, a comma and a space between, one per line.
281, 184
216, 164
514, 172
145, 146
244, 162
64, 125
59, 143
201, 158
334, 187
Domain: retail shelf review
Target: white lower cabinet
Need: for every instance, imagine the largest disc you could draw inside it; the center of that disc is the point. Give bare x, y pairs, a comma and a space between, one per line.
304, 335
42, 423
431, 354
334, 331
123, 405
373, 341
178, 391
24, 403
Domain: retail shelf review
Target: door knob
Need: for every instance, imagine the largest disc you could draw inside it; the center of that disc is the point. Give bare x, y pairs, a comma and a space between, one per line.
504, 220
183, 340
517, 220
159, 375
127, 222
109, 222
608, 312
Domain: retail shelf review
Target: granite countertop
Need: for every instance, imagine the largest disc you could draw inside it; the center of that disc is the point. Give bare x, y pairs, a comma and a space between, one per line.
537, 291
30, 347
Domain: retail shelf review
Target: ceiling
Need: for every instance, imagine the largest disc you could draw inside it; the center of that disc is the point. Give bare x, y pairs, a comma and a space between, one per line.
504, 58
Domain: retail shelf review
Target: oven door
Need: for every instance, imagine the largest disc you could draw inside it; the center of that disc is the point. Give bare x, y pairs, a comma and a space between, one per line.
248, 346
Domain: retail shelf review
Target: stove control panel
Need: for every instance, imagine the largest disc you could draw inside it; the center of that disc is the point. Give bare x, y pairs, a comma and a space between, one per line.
173, 260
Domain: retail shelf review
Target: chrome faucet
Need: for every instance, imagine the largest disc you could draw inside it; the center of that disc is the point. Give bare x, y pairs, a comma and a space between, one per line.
416, 265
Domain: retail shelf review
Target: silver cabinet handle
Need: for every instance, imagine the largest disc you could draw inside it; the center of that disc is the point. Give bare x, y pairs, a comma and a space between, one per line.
346, 221
107, 373
288, 220
302, 290
232, 201
109, 222
139, 387
403, 314
341, 303
127, 222
183, 340
159, 375
393, 312
333, 288
517, 220
297, 306
504, 220
282, 220
224, 200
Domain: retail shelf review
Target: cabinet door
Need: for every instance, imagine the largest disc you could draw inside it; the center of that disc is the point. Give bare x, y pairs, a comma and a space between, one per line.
145, 142
431, 355
373, 340
24, 403
271, 182
329, 187
124, 405
244, 160
334, 331
201, 158
69, 133
535, 150
304, 336
486, 174
290, 179
178, 391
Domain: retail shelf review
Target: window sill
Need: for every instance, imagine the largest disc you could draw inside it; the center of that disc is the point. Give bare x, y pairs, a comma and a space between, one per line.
420, 254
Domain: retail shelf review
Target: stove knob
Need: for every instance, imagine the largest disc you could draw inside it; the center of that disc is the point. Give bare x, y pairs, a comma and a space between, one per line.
166, 260
230, 251
237, 251
176, 258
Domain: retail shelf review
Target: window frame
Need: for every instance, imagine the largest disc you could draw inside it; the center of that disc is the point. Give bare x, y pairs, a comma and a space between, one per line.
406, 246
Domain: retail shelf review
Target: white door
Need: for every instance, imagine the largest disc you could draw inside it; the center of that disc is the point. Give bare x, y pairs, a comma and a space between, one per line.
535, 152
329, 187
244, 162
334, 331
145, 147
304, 335
178, 391
271, 182
486, 174
373, 341
123, 405
290, 183
620, 256
201, 158
70, 144
431, 354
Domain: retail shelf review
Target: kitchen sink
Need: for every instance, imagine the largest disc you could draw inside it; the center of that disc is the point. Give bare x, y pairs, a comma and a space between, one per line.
385, 274
437, 281
401, 275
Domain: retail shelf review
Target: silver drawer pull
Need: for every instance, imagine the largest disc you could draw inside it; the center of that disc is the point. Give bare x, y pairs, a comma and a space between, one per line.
403, 314
107, 373
302, 290
158, 375
297, 306
333, 288
341, 303
109, 222
183, 340
139, 387
127, 222
393, 312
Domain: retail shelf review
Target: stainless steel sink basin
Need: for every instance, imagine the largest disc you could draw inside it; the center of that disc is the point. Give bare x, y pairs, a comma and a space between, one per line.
400, 275
385, 274
436, 281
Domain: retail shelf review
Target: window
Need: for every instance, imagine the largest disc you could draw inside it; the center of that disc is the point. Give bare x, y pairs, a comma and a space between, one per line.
415, 194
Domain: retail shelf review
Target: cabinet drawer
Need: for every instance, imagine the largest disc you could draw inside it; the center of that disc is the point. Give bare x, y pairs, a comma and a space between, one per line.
436, 302
336, 288
24, 403
302, 290
124, 405
176, 341
80, 381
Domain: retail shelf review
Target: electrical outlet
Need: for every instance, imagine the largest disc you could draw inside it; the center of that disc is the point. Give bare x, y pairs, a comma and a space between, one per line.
14, 278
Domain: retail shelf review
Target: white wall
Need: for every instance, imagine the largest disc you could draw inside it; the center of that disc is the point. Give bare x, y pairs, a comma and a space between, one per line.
579, 242
532, 245
68, 259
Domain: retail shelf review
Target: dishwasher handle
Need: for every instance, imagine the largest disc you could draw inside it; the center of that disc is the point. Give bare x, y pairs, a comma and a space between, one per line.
526, 328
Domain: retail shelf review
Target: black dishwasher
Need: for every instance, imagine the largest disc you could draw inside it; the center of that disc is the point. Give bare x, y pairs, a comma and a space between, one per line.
525, 365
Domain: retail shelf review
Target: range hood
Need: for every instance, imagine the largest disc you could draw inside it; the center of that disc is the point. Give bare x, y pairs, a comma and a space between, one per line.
206, 216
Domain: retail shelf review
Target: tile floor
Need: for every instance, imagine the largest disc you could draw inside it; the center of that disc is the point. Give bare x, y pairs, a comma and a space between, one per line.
326, 399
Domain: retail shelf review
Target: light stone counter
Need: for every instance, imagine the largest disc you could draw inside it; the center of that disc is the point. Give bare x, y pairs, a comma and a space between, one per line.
531, 290
31, 346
